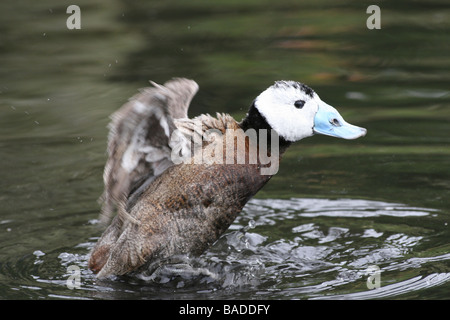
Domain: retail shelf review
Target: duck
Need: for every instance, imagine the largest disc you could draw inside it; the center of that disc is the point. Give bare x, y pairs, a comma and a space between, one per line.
173, 184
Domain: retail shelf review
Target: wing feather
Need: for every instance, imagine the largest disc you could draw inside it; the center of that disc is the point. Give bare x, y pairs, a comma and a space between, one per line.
139, 140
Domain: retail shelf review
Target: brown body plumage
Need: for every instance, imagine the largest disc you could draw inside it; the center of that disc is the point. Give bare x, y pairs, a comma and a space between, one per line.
183, 208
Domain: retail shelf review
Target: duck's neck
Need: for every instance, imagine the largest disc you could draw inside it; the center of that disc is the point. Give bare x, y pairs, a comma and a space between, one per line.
255, 120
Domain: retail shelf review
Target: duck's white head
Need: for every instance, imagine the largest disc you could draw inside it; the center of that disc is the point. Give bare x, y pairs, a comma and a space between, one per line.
295, 112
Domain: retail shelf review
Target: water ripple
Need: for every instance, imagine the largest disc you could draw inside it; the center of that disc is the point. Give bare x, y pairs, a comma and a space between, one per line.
277, 249
396, 289
354, 208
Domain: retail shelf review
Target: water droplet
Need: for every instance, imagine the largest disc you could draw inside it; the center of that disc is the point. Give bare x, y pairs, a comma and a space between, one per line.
38, 253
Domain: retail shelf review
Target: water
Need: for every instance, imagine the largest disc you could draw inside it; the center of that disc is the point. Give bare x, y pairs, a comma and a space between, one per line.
338, 217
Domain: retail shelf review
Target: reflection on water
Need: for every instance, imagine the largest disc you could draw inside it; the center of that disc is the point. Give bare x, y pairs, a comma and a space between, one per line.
349, 208
335, 208
308, 260
403, 287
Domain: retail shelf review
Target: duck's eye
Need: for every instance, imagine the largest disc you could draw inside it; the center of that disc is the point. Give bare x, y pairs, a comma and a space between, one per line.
299, 104
335, 122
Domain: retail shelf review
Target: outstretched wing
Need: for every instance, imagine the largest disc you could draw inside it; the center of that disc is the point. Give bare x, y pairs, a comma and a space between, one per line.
138, 141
